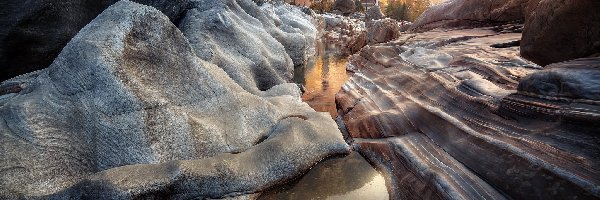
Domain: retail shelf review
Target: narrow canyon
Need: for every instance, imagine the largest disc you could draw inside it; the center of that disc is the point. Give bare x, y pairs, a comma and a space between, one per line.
276, 99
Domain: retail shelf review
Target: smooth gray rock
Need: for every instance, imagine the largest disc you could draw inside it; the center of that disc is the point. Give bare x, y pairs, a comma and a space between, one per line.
258, 49
374, 13
127, 110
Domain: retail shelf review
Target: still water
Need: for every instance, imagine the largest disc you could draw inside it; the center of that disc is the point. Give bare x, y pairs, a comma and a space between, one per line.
349, 177
323, 78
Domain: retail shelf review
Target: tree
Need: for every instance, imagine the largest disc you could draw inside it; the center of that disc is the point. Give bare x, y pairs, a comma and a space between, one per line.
406, 10
397, 10
359, 6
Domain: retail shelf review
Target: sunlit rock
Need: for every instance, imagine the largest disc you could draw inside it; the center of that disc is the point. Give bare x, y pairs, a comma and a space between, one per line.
472, 13
458, 114
382, 30
346, 34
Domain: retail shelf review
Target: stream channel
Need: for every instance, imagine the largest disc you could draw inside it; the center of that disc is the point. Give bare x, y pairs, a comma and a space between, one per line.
339, 177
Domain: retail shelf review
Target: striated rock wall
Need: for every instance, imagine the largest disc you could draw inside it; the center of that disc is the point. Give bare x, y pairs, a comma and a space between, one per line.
458, 114
128, 110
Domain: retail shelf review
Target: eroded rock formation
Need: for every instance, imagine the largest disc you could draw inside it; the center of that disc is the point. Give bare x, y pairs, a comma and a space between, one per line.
458, 114
128, 110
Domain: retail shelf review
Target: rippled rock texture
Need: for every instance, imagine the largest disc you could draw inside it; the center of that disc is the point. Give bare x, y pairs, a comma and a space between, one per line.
257, 46
129, 111
458, 114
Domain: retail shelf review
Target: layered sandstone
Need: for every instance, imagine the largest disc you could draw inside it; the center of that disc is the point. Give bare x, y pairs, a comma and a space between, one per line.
453, 114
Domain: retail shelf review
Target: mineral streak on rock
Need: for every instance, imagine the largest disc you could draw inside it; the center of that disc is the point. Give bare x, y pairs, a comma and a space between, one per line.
446, 115
128, 111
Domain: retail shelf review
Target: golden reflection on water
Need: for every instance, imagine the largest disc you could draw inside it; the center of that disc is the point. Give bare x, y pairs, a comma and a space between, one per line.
323, 81
345, 178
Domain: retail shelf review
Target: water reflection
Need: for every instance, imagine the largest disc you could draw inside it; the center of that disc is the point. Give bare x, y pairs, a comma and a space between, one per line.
350, 177
323, 79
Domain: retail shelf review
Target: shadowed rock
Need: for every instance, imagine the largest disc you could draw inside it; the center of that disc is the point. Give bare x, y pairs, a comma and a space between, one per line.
128, 111
557, 31
344, 6
346, 34
374, 13
34, 32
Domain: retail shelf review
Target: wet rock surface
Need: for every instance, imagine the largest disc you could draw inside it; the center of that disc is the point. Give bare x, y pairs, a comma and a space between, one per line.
446, 115
128, 110
349, 177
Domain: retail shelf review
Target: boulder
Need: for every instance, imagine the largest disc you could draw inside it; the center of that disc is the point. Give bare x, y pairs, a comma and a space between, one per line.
576, 79
558, 31
344, 6
374, 13
345, 34
471, 13
382, 30
128, 111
